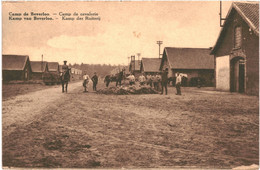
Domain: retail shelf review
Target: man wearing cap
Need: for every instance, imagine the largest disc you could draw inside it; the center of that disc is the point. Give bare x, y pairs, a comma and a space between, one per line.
95, 81
64, 67
164, 80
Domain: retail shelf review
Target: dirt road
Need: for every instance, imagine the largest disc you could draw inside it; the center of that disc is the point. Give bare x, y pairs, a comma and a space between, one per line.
201, 128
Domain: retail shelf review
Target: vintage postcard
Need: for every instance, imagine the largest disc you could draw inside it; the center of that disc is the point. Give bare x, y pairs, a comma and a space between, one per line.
130, 84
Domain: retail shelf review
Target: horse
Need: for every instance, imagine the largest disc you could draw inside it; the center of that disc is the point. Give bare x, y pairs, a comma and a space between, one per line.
65, 78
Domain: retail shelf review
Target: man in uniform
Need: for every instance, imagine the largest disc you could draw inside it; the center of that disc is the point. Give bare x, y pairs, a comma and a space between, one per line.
95, 81
149, 80
64, 67
165, 80
178, 84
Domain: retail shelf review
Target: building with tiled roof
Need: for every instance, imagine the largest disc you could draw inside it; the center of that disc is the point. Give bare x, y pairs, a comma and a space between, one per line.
38, 68
150, 65
16, 67
134, 67
193, 62
53, 67
236, 50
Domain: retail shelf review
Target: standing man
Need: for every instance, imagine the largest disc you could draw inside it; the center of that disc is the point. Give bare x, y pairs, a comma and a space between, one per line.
164, 80
159, 79
64, 67
178, 84
65, 78
95, 81
86, 80
155, 82
149, 80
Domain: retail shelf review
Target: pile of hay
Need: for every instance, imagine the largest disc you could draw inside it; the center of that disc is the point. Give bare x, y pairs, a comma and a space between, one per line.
125, 90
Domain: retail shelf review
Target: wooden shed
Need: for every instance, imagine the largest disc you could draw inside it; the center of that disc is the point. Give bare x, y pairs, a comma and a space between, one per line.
237, 50
16, 67
193, 62
54, 67
134, 67
38, 68
150, 65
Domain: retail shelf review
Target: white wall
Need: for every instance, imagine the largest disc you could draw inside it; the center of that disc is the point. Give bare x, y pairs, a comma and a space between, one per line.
223, 73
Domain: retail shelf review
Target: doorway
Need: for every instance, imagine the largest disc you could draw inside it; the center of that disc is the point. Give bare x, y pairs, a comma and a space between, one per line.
237, 75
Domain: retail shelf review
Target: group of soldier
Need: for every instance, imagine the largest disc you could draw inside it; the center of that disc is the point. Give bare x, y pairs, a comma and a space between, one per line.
87, 79
158, 81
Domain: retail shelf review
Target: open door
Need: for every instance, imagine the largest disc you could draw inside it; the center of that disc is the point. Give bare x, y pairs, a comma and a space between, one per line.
237, 75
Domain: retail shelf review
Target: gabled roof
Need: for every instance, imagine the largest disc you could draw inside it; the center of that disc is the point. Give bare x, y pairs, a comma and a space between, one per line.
38, 66
53, 66
151, 64
249, 11
189, 58
136, 66
14, 62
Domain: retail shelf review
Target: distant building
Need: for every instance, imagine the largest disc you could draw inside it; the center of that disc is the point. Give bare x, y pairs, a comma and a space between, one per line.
134, 67
54, 67
118, 69
193, 62
38, 68
150, 65
237, 50
16, 67
76, 74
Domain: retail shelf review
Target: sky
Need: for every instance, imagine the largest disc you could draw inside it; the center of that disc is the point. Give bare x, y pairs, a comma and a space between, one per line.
124, 29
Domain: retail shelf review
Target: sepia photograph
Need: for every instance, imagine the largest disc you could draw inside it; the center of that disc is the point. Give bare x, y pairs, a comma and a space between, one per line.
130, 85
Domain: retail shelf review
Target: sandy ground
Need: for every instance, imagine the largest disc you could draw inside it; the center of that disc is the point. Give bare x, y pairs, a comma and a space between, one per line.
200, 129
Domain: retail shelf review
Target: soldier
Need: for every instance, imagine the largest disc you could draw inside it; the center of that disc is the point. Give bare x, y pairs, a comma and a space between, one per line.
159, 79
65, 76
178, 84
149, 80
165, 80
64, 67
95, 81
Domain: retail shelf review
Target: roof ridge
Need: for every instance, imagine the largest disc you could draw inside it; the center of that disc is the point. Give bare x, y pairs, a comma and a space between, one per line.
188, 48
247, 2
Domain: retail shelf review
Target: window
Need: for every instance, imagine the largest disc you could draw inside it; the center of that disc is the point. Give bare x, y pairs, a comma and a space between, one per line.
238, 37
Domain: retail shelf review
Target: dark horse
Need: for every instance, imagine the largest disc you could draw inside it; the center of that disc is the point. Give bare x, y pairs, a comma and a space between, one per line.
65, 78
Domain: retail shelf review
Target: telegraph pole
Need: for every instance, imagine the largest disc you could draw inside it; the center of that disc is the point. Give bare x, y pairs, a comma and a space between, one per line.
139, 54
159, 43
42, 63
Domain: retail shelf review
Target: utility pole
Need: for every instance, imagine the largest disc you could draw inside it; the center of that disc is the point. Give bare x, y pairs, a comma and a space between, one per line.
159, 43
133, 63
138, 54
42, 63
220, 15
